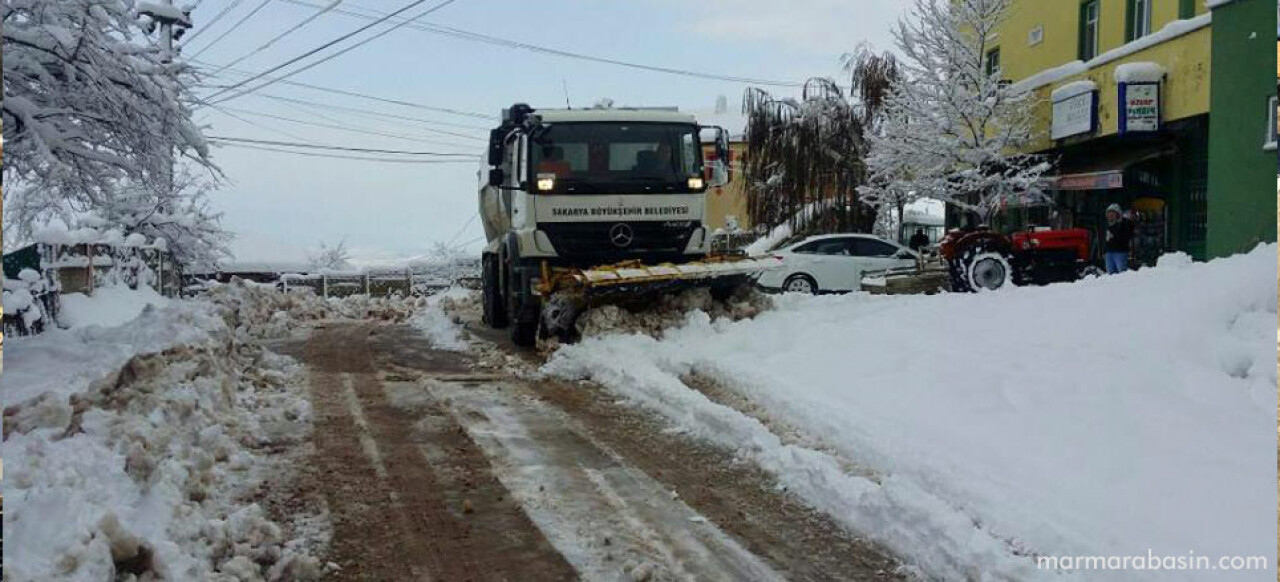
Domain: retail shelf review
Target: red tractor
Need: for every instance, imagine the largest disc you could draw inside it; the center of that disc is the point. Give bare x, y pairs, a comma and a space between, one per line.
979, 258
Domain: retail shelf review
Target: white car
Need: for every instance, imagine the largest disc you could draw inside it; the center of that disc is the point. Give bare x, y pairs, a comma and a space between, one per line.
833, 263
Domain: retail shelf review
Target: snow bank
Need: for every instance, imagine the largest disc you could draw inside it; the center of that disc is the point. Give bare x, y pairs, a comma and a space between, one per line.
437, 321
138, 449
108, 306
967, 433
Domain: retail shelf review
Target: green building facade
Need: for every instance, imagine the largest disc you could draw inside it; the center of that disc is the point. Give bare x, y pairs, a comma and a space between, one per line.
1242, 151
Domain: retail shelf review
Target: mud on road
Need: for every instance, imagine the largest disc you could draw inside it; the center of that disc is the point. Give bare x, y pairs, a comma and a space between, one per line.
439, 465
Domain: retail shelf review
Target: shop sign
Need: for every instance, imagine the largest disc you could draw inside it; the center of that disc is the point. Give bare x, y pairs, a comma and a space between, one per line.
1139, 107
1091, 181
1074, 115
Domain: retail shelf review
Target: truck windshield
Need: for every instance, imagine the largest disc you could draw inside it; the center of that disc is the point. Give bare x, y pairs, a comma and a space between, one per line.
618, 157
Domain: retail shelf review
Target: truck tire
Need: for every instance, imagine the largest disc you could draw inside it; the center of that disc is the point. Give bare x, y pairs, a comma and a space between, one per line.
522, 307
495, 315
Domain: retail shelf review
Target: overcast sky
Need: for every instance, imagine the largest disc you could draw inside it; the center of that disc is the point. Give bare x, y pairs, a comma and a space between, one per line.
280, 203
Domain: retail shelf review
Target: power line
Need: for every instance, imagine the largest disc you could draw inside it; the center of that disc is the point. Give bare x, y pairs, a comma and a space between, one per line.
341, 52
354, 110
223, 110
493, 40
339, 148
348, 93
463, 229
212, 21
348, 128
345, 157
313, 51
293, 29
238, 23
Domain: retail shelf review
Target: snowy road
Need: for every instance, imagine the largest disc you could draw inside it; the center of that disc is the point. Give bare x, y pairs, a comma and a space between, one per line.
436, 465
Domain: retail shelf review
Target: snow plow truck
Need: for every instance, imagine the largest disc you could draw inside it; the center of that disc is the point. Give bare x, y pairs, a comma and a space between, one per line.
589, 206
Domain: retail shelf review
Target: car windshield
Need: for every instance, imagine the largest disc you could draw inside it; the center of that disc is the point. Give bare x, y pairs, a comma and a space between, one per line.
618, 157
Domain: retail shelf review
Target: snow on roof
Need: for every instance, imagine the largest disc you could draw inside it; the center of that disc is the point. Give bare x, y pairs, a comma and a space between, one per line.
164, 12
614, 114
1139, 72
1054, 74
1072, 89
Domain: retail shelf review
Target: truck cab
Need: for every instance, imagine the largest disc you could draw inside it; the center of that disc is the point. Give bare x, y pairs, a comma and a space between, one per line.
581, 188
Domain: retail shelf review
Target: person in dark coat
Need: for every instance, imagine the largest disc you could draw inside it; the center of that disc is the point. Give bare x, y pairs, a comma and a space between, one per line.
918, 240
1119, 238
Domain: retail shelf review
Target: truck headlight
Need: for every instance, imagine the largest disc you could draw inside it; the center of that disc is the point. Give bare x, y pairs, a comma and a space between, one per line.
696, 183
546, 183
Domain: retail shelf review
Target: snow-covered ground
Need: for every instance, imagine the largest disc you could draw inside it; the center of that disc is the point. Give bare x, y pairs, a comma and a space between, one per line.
970, 433
108, 306
139, 448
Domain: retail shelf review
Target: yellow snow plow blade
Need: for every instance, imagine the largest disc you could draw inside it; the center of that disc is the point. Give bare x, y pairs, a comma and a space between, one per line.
634, 273
566, 292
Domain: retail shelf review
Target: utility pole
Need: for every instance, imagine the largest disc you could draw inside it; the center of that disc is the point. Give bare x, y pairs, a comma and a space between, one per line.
173, 23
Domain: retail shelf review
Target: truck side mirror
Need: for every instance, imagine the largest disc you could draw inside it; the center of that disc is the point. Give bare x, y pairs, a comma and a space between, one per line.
496, 147
497, 177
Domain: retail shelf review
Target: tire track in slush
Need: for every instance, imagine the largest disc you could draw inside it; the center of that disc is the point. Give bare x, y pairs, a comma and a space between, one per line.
395, 515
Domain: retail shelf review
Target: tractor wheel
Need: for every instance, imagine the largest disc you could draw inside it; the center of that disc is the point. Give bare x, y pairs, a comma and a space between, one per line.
800, 283
495, 313
1088, 272
985, 269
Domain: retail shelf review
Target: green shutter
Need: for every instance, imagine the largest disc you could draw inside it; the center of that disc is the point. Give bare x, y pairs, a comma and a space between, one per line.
1186, 8
1128, 20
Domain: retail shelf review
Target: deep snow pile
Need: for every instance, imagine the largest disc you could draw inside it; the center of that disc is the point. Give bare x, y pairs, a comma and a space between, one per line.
970, 433
139, 449
668, 311
109, 306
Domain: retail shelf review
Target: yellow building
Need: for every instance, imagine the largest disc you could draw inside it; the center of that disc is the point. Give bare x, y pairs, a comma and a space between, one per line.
1124, 91
1122, 96
728, 204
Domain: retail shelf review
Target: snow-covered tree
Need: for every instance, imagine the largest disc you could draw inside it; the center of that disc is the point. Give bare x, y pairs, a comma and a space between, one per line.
91, 109
182, 217
336, 257
804, 153
950, 130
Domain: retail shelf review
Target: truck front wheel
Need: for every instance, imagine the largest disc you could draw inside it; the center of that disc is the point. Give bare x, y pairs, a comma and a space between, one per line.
495, 313
522, 306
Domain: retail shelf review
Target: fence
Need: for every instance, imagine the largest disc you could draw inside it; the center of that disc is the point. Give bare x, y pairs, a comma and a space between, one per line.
381, 282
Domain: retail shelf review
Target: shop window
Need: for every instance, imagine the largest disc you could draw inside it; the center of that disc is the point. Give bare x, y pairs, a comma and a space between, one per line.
993, 62
1272, 132
1137, 20
1089, 16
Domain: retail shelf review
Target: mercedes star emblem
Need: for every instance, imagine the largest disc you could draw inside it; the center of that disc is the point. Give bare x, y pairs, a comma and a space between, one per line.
620, 235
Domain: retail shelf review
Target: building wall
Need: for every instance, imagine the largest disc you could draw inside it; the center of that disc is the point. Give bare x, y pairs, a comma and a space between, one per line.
1060, 19
731, 199
1185, 92
1240, 169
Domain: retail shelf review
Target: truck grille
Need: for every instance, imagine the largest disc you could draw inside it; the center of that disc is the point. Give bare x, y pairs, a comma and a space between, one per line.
591, 240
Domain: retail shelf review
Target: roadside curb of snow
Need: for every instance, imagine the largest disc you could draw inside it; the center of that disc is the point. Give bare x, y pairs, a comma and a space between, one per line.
932, 537
158, 467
